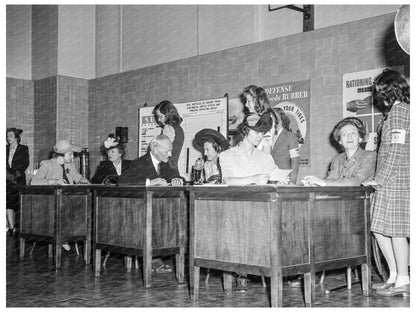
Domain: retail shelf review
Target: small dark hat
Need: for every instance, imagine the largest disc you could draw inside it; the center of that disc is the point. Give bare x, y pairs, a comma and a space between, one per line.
258, 123
209, 135
15, 130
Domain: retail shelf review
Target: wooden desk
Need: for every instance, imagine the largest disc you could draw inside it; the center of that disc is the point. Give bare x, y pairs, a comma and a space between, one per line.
56, 214
279, 231
142, 221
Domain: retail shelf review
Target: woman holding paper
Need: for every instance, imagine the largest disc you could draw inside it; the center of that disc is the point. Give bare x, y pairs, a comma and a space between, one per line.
354, 165
244, 163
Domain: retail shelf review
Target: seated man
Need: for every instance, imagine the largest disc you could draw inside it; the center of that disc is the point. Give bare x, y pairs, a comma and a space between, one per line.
154, 166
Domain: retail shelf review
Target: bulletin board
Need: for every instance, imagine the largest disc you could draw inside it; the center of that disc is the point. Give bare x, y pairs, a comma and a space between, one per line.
196, 116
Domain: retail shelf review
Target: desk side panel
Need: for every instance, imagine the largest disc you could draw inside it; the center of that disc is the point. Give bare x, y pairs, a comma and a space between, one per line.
38, 214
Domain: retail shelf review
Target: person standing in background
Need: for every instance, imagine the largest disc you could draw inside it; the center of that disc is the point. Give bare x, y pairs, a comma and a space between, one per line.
390, 207
258, 102
17, 161
285, 150
168, 118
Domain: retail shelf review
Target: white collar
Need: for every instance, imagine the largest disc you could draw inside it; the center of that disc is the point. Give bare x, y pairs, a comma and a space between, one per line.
154, 161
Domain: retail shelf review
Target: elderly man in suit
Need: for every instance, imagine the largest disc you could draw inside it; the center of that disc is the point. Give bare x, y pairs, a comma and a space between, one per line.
153, 165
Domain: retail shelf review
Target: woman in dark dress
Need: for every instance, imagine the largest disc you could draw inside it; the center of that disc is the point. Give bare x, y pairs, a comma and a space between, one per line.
168, 117
17, 161
109, 170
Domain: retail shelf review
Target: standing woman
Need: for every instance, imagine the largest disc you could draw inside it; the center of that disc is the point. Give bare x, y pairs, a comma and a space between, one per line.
258, 102
390, 220
17, 161
109, 170
168, 117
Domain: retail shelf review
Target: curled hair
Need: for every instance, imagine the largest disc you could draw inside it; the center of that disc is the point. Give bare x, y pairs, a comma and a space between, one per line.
261, 100
354, 121
17, 133
283, 117
390, 86
169, 110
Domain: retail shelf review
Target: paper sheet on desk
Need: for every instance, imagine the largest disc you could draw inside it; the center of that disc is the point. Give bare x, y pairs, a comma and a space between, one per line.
278, 174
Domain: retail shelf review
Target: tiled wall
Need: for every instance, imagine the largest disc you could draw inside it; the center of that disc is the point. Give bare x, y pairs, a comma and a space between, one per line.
322, 56
19, 112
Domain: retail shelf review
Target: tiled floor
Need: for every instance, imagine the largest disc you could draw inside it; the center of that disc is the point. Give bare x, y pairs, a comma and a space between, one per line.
35, 283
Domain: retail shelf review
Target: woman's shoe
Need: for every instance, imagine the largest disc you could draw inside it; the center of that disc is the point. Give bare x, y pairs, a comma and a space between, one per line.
380, 286
403, 290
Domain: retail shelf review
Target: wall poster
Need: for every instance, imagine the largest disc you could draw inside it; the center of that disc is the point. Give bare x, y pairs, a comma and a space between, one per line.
196, 116
294, 99
357, 101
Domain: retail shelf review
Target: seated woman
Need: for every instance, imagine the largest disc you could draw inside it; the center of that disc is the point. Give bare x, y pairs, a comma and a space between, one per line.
211, 143
60, 169
245, 164
354, 165
109, 170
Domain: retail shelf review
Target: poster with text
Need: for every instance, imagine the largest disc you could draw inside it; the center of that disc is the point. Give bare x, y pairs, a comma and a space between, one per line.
357, 101
294, 99
196, 116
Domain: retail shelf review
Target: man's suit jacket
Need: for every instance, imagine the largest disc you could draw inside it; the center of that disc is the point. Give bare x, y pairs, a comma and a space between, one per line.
106, 168
20, 163
142, 168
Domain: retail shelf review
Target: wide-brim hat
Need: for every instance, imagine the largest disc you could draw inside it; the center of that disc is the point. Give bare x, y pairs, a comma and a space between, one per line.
258, 123
209, 135
64, 146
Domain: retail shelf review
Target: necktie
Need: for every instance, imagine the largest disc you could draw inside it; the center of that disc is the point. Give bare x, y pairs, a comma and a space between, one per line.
159, 167
64, 176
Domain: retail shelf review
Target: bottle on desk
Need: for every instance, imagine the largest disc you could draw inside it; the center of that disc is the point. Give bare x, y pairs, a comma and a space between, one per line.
198, 172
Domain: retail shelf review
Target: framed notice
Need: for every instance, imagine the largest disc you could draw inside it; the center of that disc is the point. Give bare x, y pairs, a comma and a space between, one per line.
196, 116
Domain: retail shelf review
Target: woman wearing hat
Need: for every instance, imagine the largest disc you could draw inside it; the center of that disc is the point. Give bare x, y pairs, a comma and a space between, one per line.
60, 169
109, 170
17, 161
245, 164
211, 143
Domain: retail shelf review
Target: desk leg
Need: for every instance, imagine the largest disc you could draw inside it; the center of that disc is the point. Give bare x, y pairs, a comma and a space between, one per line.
128, 263
307, 280
180, 265
147, 270
22, 248
228, 282
87, 250
58, 253
195, 286
366, 279
276, 288
97, 265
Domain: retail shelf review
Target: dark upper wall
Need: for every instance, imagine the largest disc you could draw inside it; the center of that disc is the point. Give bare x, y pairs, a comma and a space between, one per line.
322, 56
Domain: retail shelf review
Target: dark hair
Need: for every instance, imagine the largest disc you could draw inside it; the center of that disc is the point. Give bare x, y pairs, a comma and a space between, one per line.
354, 121
283, 117
54, 154
390, 86
217, 148
261, 100
259, 123
169, 110
17, 133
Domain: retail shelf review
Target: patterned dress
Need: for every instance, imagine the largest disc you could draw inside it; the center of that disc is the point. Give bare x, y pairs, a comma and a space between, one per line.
391, 201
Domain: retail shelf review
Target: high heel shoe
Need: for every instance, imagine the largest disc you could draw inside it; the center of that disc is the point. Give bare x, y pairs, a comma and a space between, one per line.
403, 290
380, 286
